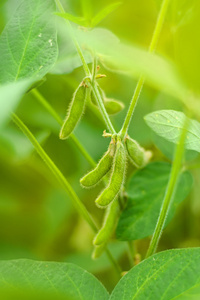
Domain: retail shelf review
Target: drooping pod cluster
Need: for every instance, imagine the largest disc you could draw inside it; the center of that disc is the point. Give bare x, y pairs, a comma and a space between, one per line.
138, 156
114, 161
116, 178
76, 110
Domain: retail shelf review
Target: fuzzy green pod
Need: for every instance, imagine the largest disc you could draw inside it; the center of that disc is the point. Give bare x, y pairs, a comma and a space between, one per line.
116, 179
98, 251
104, 165
108, 227
138, 156
113, 106
75, 112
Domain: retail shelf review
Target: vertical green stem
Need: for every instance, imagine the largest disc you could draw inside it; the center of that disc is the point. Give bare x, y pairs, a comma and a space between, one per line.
141, 80
88, 74
102, 108
54, 114
57, 173
63, 181
171, 187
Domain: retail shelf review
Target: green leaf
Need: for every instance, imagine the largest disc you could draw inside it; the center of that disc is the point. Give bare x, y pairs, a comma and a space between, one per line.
166, 275
169, 124
157, 70
28, 43
78, 20
63, 279
104, 13
10, 94
146, 191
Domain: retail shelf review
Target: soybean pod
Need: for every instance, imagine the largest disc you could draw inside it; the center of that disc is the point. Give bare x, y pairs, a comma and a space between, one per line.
108, 227
116, 179
75, 112
104, 165
137, 155
98, 250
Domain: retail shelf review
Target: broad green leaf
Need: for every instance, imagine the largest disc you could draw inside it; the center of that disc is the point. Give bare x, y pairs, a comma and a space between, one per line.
10, 95
78, 20
157, 70
166, 276
28, 45
169, 124
63, 279
104, 12
146, 191
168, 148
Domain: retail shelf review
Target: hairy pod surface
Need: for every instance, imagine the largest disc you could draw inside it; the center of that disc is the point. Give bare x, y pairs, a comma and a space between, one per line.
75, 112
137, 155
116, 179
113, 106
108, 227
104, 165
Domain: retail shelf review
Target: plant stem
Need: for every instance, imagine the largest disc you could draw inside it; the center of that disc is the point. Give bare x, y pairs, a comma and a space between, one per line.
54, 114
102, 108
63, 181
85, 66
171, 187
88, 74
141, 80
60, 177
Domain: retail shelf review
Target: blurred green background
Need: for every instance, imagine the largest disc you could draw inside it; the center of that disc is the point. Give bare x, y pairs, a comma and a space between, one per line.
37, 219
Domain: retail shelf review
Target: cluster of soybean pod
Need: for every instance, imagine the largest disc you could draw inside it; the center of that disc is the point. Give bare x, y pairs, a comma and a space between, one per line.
113, 163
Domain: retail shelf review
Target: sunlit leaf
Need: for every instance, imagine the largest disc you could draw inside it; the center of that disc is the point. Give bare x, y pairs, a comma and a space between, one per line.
146, 191
166, 275
28, 50
169, 124
157, 70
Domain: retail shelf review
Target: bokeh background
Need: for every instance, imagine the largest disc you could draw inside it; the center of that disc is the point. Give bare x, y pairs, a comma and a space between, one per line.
37, 219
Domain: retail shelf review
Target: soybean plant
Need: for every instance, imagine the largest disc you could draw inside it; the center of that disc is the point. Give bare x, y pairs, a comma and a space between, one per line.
133, 206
